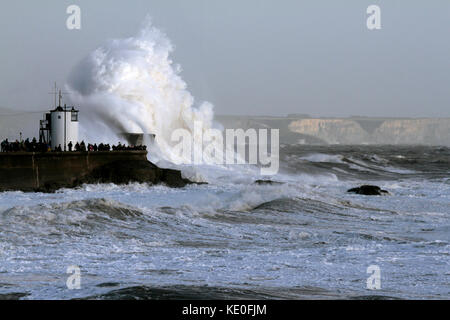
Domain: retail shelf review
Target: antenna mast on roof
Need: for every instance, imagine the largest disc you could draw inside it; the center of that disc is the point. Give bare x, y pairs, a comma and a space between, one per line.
58, 93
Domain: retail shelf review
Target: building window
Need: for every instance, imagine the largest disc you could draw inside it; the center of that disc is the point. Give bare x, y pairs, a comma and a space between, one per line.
74, 116
59, 117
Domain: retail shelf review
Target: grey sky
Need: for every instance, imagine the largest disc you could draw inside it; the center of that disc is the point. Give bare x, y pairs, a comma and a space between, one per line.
249, 57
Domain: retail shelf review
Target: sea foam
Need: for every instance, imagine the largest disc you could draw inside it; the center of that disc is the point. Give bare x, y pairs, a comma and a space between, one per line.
132, 85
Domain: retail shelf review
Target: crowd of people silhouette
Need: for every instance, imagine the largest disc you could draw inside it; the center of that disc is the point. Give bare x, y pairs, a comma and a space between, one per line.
36, 146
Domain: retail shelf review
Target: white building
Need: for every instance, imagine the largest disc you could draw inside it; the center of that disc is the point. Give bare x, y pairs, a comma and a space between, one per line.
63, 127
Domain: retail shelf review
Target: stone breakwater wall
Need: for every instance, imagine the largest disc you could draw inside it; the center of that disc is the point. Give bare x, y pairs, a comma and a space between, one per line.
47, 172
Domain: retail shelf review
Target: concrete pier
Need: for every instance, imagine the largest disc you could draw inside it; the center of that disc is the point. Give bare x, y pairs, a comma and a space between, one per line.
29, 171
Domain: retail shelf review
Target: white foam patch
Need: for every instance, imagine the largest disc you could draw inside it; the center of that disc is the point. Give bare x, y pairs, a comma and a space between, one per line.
131, 85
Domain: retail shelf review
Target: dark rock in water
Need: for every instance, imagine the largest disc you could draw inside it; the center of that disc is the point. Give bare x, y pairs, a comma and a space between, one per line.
13, 295
267, 182
123, 172
172, 178
108, 284
369, 190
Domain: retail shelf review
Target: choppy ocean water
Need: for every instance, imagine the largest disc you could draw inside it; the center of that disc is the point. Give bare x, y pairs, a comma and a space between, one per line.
305, 238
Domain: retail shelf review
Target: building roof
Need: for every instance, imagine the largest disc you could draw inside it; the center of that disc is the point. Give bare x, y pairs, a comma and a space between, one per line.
61, 109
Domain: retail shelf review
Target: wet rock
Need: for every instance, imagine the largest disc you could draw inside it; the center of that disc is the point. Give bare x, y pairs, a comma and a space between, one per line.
267, 182
13, 295
173, 178
108, 284
368, 190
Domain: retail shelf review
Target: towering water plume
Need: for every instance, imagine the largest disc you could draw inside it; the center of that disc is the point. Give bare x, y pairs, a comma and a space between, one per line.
131, 85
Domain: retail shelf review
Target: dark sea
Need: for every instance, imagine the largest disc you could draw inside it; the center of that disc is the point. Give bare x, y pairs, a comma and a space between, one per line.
304, 237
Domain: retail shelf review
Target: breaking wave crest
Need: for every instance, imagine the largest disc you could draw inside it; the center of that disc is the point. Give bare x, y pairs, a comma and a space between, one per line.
132, 85
67, 216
